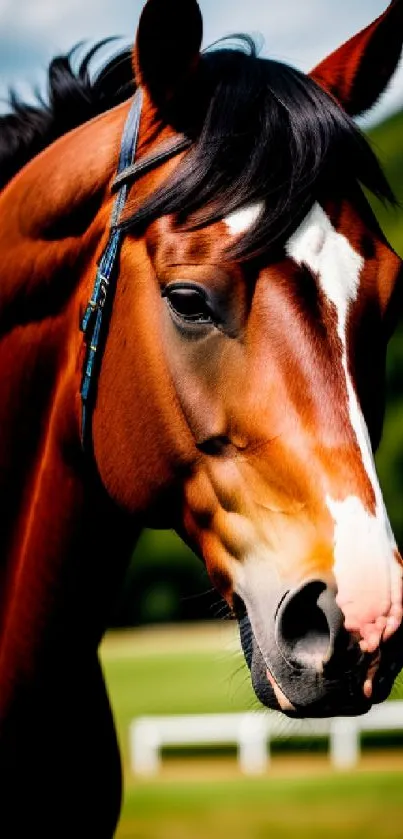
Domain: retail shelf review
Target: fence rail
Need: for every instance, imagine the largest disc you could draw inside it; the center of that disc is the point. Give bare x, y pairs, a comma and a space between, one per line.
252, 733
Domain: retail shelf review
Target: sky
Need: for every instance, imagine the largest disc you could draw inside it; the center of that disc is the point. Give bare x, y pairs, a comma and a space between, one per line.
300, 32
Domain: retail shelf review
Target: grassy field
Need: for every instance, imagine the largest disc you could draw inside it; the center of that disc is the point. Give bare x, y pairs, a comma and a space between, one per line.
199, 669
177, 670
351, 806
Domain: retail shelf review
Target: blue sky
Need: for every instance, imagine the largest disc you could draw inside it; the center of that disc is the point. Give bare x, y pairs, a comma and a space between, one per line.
301, 32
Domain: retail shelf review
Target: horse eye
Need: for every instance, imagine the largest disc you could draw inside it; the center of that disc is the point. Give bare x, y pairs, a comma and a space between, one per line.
189, 303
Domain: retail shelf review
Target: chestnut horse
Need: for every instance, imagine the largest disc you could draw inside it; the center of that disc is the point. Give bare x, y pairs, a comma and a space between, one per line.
227, 381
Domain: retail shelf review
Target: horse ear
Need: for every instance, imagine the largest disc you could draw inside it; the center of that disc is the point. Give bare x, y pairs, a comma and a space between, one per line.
167, 48
358, 72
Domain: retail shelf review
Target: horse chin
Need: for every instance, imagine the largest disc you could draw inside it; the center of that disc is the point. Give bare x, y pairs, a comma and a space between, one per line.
391, 663
304, 694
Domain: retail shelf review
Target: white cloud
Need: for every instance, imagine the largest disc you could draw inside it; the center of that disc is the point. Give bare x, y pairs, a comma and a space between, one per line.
298, 31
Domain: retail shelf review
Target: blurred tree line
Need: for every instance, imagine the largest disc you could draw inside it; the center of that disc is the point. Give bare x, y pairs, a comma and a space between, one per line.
387, 140
165, 581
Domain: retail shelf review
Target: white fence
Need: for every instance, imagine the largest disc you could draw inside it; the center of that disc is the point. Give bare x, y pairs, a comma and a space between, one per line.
252, 733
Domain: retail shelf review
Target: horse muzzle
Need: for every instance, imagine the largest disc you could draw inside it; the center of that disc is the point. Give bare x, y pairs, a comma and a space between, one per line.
304, 662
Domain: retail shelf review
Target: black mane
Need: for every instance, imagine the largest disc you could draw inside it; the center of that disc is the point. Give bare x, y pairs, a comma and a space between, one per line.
268, 133
72, 99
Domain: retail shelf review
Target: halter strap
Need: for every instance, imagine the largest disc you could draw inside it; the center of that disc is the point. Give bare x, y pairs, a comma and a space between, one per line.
140, 167
100, 304
94, 314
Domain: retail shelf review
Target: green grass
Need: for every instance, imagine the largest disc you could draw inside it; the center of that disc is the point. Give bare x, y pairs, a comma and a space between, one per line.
350, 806
197, 669
181, 671
178, 670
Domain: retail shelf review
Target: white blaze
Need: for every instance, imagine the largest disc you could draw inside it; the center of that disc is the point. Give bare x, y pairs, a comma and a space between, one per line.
367, 573
242, 220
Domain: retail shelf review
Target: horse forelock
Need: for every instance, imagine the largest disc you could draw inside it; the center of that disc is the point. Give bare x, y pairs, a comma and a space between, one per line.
268, 134
265, 132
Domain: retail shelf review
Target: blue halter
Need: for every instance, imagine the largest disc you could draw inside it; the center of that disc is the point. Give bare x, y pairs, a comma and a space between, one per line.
94, 320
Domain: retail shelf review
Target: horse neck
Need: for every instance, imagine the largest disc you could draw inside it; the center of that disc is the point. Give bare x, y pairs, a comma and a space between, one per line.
58, 527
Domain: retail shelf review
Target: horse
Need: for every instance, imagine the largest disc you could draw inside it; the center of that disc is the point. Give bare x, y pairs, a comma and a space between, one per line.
196, 301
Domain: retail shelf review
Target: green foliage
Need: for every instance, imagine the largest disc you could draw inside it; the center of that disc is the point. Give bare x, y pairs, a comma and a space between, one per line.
165, 583
387, 140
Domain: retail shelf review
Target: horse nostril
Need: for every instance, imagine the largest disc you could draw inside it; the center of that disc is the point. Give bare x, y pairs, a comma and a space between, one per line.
308, 621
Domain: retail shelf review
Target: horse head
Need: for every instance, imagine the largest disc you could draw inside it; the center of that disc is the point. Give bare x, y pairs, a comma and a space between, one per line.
231, 376
254, 304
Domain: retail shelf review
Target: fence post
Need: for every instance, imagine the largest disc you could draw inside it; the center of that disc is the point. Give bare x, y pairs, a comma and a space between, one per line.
253, 751
144, 747
344, 742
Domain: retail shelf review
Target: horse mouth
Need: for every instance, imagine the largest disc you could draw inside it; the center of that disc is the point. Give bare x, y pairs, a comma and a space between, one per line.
349, 688
283, 702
